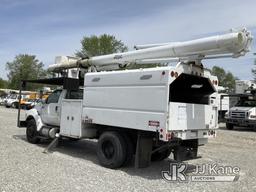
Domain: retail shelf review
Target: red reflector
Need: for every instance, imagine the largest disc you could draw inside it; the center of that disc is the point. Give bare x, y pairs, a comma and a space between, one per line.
154, 123
170, 135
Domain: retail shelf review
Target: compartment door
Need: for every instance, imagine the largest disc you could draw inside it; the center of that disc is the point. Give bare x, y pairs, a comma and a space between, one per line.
76, 123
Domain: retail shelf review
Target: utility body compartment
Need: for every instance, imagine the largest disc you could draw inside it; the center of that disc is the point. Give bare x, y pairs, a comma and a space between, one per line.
129, 99
71, 118
147, 100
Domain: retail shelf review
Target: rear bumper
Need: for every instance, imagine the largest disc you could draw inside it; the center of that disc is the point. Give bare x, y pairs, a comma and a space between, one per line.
196, 134
241, 122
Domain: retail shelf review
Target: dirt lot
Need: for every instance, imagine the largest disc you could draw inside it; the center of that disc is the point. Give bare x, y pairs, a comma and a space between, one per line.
74, 167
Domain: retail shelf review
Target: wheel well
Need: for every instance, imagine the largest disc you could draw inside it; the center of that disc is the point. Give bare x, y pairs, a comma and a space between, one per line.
132, 134
30, 117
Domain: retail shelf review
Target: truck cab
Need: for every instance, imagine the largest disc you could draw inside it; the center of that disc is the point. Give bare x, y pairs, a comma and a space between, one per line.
243, 114
50, 109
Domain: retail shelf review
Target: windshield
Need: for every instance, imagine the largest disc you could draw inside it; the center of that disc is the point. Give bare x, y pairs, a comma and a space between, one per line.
246, 103
13, 96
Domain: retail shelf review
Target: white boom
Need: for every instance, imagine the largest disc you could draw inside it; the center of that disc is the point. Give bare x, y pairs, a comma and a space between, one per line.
233, 44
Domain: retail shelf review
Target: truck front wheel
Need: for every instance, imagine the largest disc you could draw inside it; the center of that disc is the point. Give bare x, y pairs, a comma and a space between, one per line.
31, 132
111, 150
229, 126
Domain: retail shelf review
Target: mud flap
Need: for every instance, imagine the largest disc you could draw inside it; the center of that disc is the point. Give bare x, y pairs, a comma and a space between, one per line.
143, 150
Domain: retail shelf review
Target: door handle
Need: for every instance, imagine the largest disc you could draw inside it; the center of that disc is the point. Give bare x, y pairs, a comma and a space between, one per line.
56, 108
72, 118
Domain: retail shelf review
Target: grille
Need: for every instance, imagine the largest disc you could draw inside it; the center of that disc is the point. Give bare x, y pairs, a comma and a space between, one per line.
238, 115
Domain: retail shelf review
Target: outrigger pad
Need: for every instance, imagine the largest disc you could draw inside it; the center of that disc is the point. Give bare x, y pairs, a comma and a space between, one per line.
53, 144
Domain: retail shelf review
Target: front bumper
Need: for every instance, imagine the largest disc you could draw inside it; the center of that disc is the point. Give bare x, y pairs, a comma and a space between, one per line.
8, 104
241, 122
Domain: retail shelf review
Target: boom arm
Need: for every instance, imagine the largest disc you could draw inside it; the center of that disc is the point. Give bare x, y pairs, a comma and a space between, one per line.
233, 44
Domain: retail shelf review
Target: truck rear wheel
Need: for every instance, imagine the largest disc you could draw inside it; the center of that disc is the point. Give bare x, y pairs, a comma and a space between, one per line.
229, 126
111, 150
31, 132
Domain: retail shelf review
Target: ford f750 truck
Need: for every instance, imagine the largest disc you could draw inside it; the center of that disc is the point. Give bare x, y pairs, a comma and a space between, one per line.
149, 113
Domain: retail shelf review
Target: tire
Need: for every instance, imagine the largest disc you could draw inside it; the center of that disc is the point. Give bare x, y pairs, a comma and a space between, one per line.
229, 126
111, 150
31, 132
161, 155
14, 105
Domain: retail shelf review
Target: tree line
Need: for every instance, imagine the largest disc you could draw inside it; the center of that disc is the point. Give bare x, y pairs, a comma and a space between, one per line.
25, 66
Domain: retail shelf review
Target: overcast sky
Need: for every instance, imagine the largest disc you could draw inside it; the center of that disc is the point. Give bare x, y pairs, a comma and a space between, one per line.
55, 27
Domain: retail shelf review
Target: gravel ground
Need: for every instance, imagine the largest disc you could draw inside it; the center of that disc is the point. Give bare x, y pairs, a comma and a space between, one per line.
73, 166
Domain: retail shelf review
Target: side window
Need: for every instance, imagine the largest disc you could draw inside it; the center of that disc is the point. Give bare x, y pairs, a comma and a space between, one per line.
54, 97
78, 94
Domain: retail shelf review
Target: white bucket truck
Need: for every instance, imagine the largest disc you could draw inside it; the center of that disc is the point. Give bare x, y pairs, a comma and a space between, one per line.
243, 113
148, 113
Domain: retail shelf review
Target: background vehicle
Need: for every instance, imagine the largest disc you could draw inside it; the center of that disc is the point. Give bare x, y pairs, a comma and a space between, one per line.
12, 101
225, 102
2, 100
242, 86
243, 114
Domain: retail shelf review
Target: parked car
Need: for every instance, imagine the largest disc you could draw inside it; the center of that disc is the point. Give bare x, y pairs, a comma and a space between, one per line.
2, 100
13, 101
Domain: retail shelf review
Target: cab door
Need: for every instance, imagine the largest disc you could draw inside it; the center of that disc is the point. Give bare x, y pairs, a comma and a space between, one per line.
50, 112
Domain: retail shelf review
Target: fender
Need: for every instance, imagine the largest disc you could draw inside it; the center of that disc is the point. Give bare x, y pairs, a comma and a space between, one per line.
32, 113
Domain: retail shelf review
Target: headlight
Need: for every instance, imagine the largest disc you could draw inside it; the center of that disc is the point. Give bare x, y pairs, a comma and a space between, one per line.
226, 114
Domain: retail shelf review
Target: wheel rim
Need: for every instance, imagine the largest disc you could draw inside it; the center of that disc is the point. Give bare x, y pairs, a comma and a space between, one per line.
108, 149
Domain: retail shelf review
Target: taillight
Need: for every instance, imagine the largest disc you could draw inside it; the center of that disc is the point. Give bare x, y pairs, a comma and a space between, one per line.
172, 73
